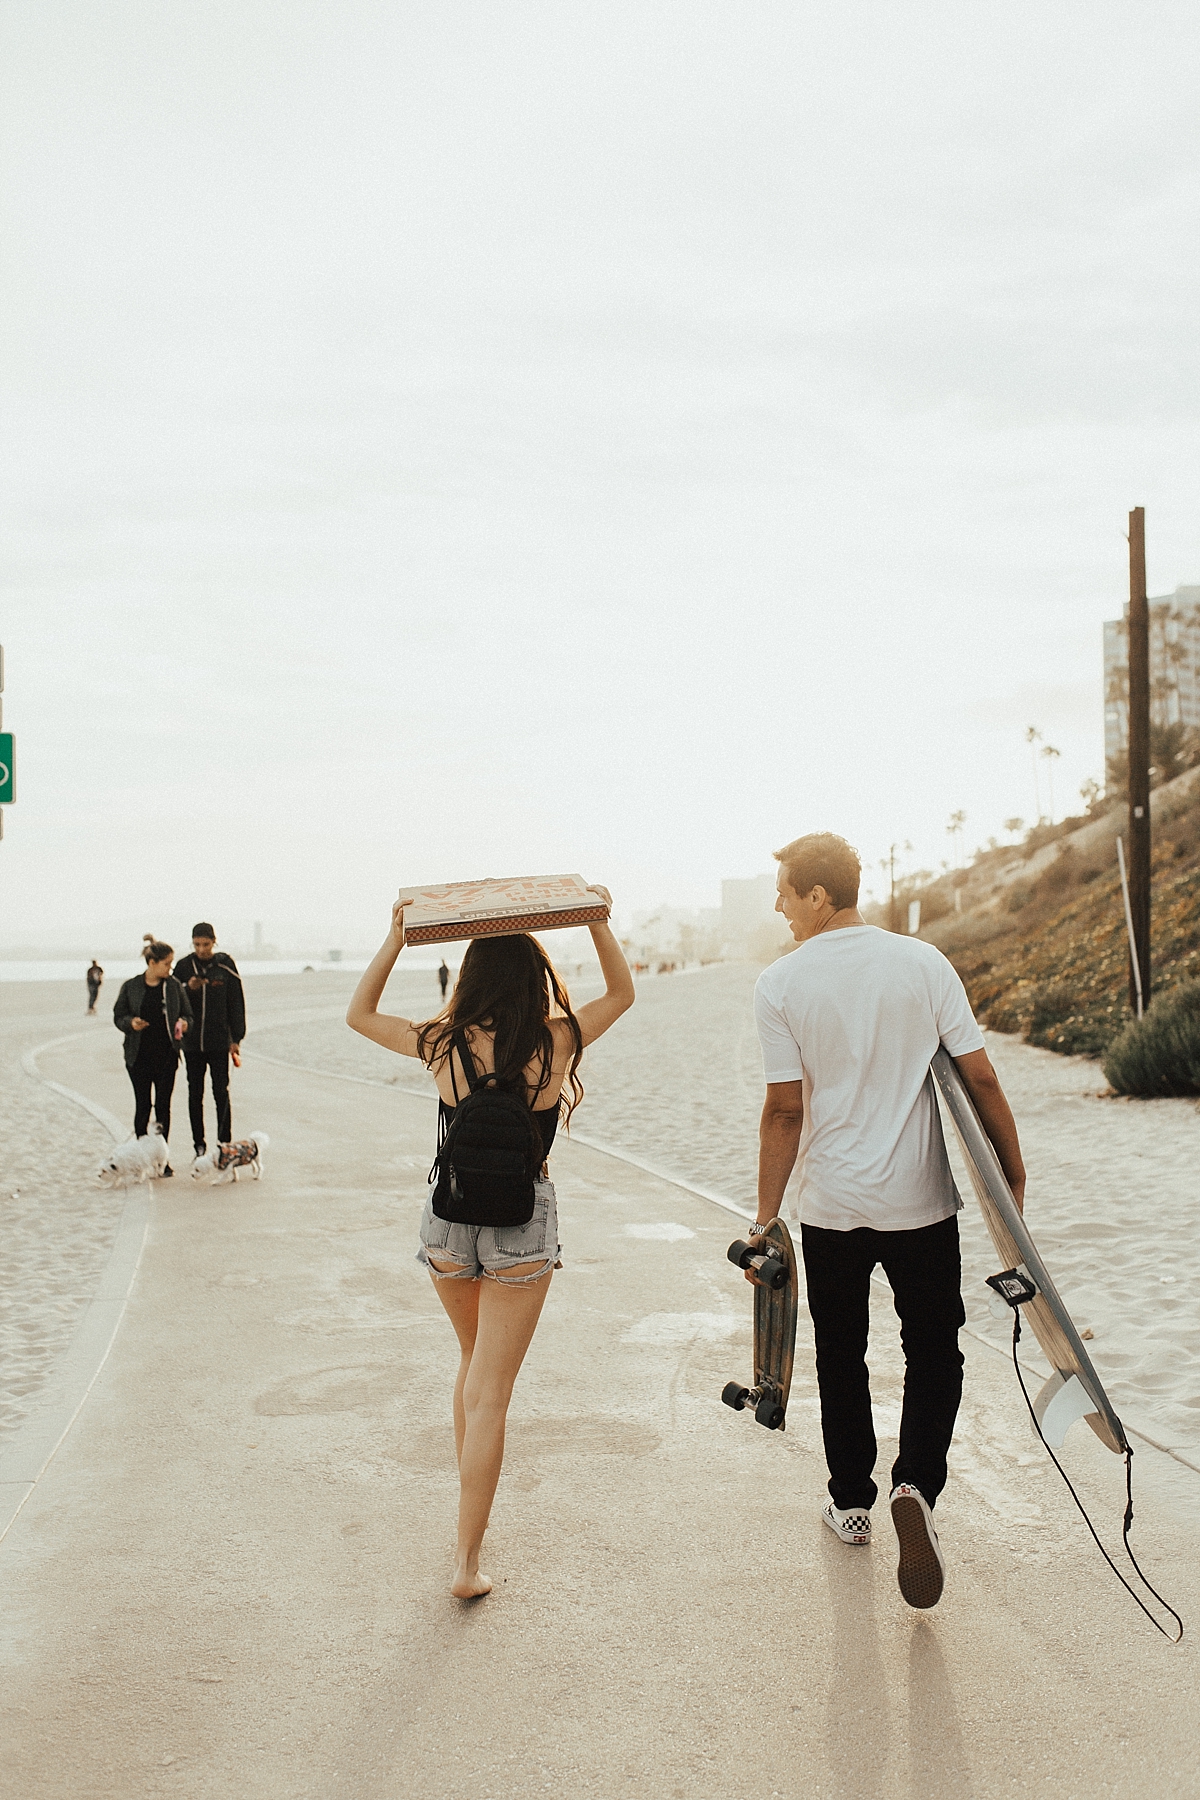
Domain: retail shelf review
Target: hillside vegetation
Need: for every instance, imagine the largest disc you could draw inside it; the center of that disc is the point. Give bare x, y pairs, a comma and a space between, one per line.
1041, 942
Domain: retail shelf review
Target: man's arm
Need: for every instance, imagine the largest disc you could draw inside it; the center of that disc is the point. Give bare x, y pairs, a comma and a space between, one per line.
995, 1115
235, 1007
778, 1144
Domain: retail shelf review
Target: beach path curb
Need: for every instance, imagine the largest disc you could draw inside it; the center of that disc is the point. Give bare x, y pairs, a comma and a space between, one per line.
28, 1453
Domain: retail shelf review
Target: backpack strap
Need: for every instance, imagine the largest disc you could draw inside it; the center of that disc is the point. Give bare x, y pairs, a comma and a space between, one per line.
474, 1079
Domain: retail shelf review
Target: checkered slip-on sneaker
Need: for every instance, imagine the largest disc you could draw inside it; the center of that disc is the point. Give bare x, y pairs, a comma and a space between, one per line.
921, 1571
851, 1524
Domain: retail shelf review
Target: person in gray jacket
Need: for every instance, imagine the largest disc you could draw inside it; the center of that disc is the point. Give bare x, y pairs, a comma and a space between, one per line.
154, 1013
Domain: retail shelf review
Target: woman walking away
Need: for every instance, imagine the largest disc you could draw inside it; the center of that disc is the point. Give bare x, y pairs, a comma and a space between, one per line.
154, 1012
504, 1054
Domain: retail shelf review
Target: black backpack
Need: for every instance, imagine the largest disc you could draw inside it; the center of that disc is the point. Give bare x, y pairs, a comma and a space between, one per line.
490, 1155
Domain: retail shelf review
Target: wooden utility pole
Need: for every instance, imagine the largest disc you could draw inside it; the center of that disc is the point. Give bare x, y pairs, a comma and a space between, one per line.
1139, 756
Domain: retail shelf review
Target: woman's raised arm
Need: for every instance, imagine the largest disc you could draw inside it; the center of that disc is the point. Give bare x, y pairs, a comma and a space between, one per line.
596, 1016
363, 1015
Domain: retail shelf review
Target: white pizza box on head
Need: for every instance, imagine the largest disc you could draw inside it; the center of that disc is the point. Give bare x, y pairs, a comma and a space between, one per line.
444, 911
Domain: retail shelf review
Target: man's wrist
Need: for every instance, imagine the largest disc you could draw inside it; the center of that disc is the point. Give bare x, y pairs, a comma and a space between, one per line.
758, 1227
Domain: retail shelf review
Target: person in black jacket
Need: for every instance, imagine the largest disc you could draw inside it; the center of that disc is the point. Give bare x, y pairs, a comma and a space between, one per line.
153, 1012
215, 990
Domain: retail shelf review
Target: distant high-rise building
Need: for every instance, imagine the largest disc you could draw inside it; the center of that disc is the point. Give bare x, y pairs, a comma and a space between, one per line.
1174, 667
747, 904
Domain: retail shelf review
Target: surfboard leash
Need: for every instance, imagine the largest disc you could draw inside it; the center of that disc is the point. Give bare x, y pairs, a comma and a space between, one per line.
1172, 1638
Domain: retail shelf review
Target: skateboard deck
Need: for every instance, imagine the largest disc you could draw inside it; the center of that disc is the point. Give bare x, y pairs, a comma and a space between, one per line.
771, 1259
1074, 1390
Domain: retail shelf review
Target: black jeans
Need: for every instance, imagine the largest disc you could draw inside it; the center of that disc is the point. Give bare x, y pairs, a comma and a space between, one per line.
216, 1062
924, 1270
161, 1077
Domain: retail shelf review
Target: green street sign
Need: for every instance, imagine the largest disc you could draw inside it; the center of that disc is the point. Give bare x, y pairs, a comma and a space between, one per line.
8, 768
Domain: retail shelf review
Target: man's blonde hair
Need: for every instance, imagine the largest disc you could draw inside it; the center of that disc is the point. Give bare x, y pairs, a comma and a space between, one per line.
822, 859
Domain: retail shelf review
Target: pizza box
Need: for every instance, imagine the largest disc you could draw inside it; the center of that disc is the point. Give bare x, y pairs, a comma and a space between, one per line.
442, 912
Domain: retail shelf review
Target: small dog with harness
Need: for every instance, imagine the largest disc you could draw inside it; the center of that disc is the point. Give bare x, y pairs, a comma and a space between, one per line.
223, 1163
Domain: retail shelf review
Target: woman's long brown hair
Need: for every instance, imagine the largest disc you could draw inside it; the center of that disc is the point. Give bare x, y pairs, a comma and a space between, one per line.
508, 986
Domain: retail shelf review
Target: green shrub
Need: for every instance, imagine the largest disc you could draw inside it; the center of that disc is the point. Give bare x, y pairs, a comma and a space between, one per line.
1061, 1019
1159, 1056
1062, 873
1053, 1002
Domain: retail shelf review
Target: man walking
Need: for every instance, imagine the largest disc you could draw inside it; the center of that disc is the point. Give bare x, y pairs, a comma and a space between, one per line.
219, 1014
849, 1023
95, 977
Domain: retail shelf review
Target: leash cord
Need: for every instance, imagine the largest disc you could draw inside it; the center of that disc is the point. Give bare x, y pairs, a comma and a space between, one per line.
1174, 1639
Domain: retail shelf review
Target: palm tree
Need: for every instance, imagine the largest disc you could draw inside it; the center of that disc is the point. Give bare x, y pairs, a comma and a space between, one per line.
1033, 737
1051, 755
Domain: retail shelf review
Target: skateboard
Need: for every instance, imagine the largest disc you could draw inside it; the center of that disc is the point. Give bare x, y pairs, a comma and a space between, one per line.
772, 1260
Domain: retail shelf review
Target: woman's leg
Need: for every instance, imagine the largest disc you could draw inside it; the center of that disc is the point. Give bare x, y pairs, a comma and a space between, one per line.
460, 1297
507, 1317
164, 1082
141, 1078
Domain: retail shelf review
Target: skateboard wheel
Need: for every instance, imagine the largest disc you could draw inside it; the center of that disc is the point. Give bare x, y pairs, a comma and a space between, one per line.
734, 1394
768, 1412
740, 1252
773, 1274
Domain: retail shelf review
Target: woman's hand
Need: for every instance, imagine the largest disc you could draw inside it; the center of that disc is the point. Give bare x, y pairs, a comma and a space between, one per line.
595, 888
138, 1024
398, 920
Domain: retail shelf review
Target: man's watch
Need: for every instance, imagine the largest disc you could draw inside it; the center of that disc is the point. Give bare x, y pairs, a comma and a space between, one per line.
756, 1230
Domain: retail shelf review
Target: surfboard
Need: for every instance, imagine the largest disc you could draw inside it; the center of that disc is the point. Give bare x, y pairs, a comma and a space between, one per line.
1074, 1389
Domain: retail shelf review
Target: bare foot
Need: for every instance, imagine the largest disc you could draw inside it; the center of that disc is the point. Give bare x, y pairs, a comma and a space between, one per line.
469, 1584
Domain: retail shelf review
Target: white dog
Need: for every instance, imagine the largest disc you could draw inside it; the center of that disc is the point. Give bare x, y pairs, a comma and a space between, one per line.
223, 1163
141, 1159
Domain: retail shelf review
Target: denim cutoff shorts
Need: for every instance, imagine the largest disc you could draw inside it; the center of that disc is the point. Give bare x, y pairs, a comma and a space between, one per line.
489, 1250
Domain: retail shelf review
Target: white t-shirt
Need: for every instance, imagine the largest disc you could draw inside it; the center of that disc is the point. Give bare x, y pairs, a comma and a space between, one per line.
858, 1015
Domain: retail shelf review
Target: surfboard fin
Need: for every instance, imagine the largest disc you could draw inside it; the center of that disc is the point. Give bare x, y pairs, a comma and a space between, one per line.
1061, 1401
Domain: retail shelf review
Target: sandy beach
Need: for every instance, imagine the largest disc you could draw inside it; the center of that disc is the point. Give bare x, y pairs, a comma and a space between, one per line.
230, 1579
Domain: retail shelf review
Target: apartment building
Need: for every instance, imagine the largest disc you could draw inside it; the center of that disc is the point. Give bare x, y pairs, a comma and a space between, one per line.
1174, 667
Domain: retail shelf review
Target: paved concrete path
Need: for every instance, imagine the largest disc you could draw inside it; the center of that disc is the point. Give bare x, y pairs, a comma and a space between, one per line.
231, 1579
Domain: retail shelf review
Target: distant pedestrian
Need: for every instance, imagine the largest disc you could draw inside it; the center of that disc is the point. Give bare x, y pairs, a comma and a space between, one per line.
215, 989
153, 1012
509, 1035
443, 978
95, 976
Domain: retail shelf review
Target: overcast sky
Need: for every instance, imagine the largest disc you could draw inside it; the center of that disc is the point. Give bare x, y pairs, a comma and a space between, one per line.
446, 440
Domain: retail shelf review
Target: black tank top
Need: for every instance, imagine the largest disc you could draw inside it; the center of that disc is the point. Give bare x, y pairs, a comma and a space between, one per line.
545, 1118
